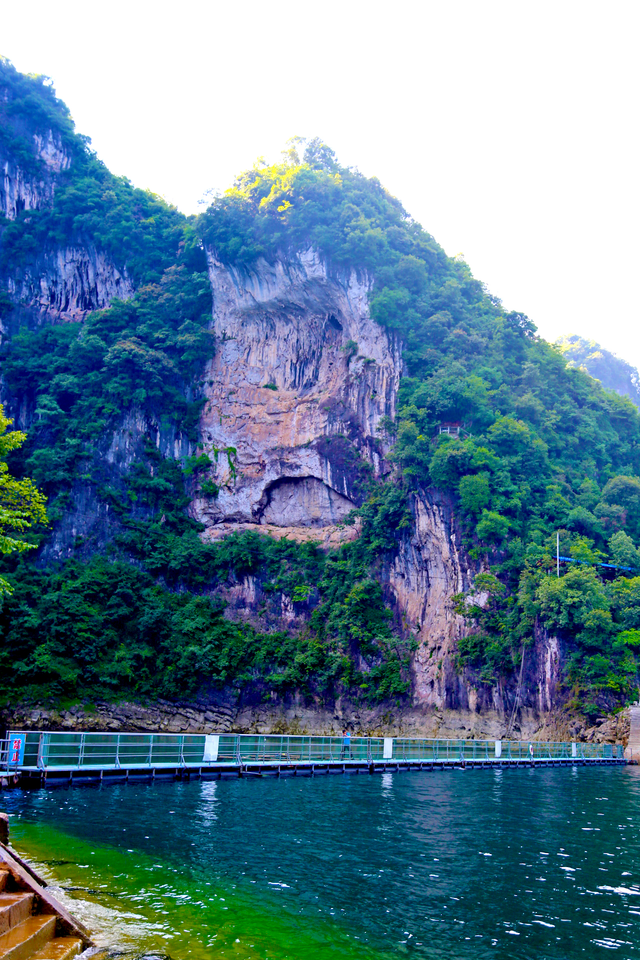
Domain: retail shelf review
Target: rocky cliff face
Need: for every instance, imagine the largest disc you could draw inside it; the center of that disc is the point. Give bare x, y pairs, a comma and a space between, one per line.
32, 187
90, 522
229, 716
430, 568
67, 284
427, 572
296, 396
58, 283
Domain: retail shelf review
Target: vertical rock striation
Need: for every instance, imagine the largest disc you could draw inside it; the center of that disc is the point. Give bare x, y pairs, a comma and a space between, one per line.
427, 572
31, 186
296, 395
57, 283
67, 284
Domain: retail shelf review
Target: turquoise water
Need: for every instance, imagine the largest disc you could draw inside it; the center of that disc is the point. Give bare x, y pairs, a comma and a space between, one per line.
541, 863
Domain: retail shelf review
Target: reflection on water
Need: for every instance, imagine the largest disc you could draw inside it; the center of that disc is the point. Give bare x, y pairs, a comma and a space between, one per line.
449, 864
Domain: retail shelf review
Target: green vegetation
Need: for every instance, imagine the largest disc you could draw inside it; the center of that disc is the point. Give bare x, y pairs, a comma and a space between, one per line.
30, 102
21, 503
147, 621
541, 449
137, 229
139, 617
612, 372
145, 354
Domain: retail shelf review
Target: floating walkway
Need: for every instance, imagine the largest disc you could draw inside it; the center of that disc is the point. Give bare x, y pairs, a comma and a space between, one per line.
32, 758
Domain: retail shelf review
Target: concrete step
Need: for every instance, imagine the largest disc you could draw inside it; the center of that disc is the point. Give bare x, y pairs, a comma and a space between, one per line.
14, 908
633, 747
21, 942
60, 948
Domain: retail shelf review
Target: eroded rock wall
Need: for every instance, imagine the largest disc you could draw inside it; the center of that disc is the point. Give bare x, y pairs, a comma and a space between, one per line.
427, 572
57, 283
32, 187
430, 568
67, 284
296, 395
296, 400
229, 715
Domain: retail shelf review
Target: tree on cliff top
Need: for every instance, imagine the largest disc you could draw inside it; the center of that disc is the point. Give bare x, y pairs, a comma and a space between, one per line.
21, 503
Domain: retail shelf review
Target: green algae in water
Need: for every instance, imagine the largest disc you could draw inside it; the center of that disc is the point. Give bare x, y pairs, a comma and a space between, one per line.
453, 865
131, 903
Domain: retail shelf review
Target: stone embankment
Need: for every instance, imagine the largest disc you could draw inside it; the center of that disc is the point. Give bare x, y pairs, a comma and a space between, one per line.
164, 716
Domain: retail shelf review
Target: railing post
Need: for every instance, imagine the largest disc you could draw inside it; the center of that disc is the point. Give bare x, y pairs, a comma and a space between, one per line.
118, 752
81, 751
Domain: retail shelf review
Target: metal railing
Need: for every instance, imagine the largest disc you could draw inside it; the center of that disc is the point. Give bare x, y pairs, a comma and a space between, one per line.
246, 748
34, 750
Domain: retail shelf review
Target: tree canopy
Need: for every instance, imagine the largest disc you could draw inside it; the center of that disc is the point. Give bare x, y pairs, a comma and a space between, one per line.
21, 503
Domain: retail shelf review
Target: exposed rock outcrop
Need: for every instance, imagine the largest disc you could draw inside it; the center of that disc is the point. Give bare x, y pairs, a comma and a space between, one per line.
226, 714
297, 392
296, 400
427, 572
32, 187
56, 284
67, 284
90, 522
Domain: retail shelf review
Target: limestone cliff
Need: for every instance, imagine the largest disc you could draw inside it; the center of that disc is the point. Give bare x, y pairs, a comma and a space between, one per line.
430, 568
296, 396
65, 284
31, 186
54, 283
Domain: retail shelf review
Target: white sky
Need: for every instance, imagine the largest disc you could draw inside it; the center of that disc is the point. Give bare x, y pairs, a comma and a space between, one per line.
508, 129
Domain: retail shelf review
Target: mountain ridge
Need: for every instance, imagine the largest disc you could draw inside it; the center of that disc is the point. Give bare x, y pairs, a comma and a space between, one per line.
220, 394
612, 371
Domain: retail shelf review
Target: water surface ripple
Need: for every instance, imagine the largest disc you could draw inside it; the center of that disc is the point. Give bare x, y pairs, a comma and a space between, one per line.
541, 863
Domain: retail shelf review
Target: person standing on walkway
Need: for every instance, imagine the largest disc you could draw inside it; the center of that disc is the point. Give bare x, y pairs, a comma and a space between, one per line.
346, 744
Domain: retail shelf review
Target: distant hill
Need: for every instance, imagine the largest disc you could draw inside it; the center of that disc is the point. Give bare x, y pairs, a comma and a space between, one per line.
611, 371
